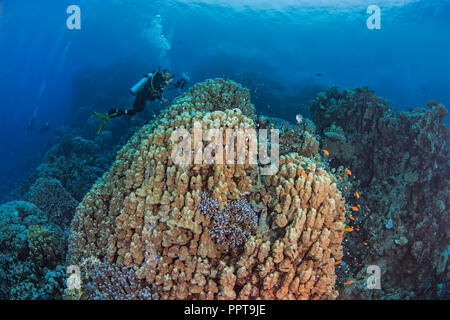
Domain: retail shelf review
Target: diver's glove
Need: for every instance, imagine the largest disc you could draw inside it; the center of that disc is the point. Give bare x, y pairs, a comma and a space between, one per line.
115, 113
179, 84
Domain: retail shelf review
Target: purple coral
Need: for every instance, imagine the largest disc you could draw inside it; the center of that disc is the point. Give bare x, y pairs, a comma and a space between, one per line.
208, 205
233, 224
108, 281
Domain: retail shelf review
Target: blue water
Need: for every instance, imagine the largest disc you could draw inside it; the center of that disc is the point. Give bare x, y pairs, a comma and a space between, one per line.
405, 62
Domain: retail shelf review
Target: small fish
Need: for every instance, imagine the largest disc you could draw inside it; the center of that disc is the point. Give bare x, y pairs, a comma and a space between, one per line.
339, 235
349, 282
304, 174
337, 262
354, 208
357, 194
348, 171
351, 218
365, 243
299, 118
339, 177
370, 217
271, 293
326, 152
348, 229
319, 74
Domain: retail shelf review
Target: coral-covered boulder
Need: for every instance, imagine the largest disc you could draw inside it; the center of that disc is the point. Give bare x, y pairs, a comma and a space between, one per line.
172, 224
30, 250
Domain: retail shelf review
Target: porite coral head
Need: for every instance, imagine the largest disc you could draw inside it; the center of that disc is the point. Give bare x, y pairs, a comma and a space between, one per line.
172, 224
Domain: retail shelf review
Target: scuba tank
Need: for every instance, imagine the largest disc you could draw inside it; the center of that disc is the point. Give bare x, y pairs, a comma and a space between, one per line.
134, 90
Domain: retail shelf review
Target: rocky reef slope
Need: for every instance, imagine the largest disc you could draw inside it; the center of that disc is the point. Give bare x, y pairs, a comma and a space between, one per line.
400, 178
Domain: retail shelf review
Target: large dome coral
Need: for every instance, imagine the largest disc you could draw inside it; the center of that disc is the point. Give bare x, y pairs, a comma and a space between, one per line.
146, 213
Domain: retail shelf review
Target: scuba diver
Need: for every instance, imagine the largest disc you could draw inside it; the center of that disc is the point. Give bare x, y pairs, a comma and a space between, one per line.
149, 88
30, 126
45, 128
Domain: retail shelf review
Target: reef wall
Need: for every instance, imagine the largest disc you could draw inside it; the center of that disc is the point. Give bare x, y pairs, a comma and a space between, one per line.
400, 168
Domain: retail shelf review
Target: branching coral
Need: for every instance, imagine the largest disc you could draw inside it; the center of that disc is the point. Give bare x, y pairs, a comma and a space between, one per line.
41, 246
51, 197
107, 281
30, 248
231, 225
75, 162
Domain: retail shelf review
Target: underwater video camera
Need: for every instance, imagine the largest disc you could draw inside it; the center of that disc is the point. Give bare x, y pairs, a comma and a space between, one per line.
134, 90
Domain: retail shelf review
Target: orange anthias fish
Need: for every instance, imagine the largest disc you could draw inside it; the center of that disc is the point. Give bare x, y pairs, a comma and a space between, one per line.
351, 218
357, 195
340, 178
271, 293
349, 172
354, 208
304, 174
337, 262
349, 282
326, 152
348, 229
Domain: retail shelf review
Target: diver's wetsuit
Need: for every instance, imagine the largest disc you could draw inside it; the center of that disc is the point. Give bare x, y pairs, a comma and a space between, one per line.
151, 90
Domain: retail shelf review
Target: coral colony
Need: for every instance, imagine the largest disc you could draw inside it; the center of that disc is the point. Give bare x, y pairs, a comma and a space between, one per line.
197, 210
233, 224
107, 281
